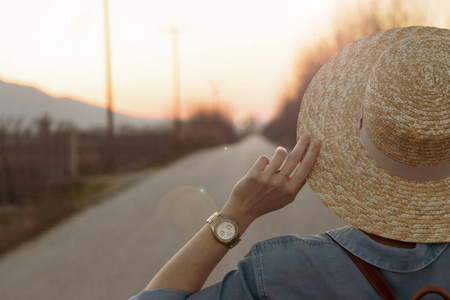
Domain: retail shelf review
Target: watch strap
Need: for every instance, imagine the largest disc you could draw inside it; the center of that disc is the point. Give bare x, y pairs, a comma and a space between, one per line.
213, 219
234, 241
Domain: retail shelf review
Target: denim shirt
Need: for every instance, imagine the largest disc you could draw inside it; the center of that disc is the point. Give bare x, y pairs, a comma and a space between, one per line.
315, 267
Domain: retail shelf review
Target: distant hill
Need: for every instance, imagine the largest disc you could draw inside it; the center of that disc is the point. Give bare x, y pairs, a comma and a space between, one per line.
29, 104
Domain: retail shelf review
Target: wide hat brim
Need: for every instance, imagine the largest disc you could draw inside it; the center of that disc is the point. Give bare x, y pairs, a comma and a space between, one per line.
345, 177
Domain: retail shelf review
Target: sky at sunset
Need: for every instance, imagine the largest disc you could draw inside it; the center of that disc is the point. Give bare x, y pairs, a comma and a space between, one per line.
244, 48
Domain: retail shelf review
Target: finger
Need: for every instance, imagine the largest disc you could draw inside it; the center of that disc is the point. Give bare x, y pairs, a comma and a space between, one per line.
297, 153
276, 161
260, 164
308, 161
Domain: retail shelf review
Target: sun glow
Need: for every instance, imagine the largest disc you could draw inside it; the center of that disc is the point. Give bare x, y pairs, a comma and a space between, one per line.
248, 47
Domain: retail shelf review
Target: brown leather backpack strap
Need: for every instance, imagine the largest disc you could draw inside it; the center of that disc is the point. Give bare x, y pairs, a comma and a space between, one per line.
372, 274
434, 289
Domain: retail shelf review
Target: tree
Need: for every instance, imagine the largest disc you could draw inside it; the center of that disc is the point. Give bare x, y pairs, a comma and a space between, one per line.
350, 23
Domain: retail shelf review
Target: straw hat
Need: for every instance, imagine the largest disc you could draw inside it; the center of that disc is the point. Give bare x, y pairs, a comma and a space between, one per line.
381, 106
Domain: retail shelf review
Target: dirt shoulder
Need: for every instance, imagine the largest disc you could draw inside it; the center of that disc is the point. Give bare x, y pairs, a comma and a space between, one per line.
21, 223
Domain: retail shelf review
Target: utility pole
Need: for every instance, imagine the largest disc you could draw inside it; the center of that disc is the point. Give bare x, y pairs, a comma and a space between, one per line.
110, 121
175, 32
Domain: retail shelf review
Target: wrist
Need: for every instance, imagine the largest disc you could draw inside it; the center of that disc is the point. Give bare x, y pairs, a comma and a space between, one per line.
242, 220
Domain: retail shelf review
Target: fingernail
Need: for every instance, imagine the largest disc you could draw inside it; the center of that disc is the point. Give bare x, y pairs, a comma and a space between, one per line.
306, 136
317, 143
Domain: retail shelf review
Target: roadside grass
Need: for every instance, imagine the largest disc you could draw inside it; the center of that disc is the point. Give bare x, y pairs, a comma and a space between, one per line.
20, 223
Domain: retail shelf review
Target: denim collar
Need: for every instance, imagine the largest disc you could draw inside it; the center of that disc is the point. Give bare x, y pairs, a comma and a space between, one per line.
386, 257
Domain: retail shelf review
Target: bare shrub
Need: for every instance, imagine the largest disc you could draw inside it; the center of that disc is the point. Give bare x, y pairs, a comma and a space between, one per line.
351, 21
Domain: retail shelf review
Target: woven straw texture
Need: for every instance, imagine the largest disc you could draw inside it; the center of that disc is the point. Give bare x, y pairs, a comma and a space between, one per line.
403, 77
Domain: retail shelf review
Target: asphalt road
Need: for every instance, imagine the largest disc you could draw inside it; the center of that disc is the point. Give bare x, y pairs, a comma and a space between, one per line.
112, 250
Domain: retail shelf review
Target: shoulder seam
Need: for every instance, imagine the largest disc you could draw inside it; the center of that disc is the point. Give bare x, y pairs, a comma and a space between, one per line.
291, 239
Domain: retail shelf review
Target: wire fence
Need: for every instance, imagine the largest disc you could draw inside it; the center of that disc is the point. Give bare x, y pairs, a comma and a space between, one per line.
41, 157
31, 163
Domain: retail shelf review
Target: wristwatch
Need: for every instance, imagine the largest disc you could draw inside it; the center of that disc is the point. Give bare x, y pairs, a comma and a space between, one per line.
224, 230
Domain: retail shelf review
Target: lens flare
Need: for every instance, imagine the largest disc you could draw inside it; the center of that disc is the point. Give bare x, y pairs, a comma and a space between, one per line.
184, 208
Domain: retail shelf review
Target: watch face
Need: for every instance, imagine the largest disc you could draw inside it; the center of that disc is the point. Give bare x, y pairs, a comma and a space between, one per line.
226, 231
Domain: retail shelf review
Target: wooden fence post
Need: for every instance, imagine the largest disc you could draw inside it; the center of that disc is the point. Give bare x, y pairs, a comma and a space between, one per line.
44, 145
73, 154
3, 169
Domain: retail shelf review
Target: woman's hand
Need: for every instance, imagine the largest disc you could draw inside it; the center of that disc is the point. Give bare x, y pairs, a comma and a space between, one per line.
269, 185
